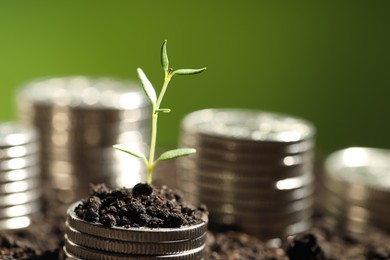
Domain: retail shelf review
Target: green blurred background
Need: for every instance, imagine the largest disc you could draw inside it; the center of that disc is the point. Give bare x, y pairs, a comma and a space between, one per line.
326, 61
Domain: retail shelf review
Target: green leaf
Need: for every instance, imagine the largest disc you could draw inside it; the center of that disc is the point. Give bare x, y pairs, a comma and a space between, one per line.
188, 71
163, 110
172, 154
132, 151
164, 56
148, 87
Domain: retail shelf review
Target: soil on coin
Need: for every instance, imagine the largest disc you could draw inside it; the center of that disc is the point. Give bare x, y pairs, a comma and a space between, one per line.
141, 206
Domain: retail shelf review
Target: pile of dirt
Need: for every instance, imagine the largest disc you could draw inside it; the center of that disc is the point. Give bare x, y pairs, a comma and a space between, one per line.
142, 206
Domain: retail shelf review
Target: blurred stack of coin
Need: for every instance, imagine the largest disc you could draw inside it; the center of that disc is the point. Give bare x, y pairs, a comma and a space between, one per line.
253, 169
79, 120
357, 188
19, 175
86, 240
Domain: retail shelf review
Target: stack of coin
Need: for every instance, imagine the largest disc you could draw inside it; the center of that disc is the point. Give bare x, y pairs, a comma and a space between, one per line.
19, 175
85, 240
79, 120
253, 169
357, 188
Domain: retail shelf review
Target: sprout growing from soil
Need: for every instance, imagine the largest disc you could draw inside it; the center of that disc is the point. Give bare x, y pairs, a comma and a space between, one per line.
156, 102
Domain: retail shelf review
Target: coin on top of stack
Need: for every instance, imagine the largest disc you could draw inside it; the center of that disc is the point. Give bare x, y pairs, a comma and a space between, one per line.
357, 188
79, 119
86, 240
253, 169
20, 192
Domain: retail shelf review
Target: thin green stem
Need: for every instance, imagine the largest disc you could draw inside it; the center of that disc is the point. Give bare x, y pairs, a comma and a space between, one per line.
153, 137
164, 88
152, 146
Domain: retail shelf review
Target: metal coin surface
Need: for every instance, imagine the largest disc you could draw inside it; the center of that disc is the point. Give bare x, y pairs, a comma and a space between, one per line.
283, 231
19, 186
14, 134
262, 210
68, 255
252, 158
134, 248
281, 186
19, 163
369, 167
284, 219
19, 174
364, 214
141, 235
19, 151
20, 210
192, 168
290, 164
80, 117
248, 125
19, 198
239, 146
84, 92
259, 192
15, 223
93, 254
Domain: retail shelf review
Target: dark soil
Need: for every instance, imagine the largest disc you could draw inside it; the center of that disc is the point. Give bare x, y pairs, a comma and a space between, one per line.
142, 206
44, 240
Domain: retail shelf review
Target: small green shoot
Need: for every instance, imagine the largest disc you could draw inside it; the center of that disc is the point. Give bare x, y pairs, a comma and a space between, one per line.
156, 102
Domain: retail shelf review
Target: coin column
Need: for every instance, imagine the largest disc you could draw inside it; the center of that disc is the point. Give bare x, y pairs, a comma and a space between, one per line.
357, 188
86, 240
79, 119
20, 190
253, 169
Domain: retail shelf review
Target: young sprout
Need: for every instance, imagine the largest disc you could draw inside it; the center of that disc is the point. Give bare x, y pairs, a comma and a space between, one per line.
156, 102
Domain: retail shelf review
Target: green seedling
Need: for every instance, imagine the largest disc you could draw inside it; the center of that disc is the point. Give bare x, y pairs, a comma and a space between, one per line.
156, 102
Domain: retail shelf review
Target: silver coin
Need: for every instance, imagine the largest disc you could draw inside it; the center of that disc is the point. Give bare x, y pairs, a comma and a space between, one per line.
19, 163
19, 198
370, 167
264, 232
104, 154
84, 116
15, 134
252, 157
125, 247
240, 161
15, 223
365, 213
279, 186
20, 174
289, 163
91, 139
255, 126
131, 165
20, 210
258, 194
357, 187
270, 209
88, 253
232, 145
48, 127
346, 223
19, 151
371, 204
191, 173
84, 92
192, 168
142, 235
68, 255
19, 186
233, 219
